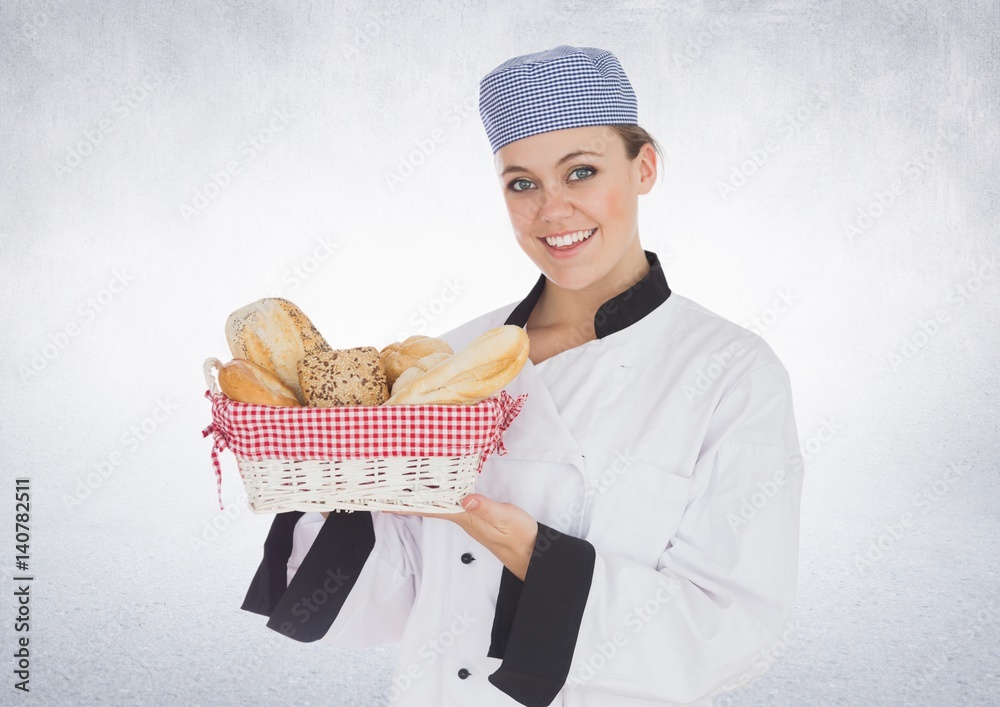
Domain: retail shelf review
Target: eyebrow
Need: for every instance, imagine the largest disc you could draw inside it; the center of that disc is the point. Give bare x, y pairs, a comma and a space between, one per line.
564, 158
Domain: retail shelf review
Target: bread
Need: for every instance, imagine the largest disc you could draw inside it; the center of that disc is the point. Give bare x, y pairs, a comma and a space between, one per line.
418, 369
276, 335
343, 377
399, 356
246, 382
482, 368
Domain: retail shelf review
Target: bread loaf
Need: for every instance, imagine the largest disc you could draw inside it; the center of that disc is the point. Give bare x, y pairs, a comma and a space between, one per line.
246, 382
399, 356
418, 369
343, 377
486, 365
276, 335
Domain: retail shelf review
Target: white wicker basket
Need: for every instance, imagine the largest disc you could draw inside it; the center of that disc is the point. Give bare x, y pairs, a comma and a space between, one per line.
432, 484
429, 483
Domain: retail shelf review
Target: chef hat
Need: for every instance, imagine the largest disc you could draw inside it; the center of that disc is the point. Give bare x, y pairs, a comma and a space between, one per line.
565, 87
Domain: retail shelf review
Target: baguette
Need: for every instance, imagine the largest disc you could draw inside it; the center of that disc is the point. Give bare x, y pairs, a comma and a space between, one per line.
276, 335
486, 365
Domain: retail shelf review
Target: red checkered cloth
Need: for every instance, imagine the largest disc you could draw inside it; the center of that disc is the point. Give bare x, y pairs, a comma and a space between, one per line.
262, 432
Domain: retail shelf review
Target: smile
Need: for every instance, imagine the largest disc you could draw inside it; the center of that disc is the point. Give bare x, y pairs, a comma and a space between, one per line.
569, 239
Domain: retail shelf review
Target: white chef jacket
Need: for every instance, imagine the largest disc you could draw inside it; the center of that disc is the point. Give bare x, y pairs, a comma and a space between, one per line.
662, 464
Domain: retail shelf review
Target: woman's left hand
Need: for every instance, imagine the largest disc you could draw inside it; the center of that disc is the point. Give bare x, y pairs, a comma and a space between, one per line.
508, 531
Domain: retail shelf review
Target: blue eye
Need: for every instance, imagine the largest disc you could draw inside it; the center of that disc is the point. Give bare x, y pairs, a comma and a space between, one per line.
588, 172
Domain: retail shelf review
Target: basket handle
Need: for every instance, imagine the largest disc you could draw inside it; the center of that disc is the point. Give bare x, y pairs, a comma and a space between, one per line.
210, 365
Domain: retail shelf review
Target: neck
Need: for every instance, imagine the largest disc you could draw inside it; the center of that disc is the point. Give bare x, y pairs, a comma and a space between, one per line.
575, 309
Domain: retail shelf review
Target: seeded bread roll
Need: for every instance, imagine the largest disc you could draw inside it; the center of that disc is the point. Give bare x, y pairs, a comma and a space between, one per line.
343, 377
275, 334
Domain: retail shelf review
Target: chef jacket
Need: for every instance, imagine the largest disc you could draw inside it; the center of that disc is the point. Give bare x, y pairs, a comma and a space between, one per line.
661, 462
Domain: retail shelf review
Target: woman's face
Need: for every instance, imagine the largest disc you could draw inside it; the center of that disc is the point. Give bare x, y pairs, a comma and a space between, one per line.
573, 180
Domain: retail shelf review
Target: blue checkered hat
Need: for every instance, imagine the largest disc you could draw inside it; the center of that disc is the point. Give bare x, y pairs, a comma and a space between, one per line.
565, 87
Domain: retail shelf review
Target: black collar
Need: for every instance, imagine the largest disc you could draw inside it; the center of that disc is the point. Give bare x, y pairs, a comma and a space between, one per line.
619, 312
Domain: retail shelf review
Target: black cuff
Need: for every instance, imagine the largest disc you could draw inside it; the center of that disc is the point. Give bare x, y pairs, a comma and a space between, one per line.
306, 609
538, 638
503, 618
269, 583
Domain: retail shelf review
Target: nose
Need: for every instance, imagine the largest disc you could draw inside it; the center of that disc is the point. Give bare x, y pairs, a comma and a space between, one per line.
554, 204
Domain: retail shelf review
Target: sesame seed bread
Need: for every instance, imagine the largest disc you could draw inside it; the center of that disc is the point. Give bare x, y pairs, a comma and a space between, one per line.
275, 334
343, 377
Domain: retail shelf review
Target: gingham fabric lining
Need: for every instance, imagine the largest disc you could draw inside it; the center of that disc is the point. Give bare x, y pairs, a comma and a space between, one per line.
262, 432
564, 87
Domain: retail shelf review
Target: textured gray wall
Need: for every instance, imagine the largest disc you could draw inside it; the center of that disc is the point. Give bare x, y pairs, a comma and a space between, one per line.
830, 181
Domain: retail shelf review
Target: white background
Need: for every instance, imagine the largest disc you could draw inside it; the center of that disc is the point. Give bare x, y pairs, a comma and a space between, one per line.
121, 262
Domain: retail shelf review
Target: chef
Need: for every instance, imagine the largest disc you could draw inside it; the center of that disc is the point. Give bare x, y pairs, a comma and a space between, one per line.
638, 542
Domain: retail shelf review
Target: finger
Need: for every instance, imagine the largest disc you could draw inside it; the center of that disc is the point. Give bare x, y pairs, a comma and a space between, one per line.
485, 509
425, 514
475, 503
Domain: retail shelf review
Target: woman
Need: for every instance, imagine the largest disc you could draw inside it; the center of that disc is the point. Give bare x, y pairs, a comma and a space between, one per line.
638, 542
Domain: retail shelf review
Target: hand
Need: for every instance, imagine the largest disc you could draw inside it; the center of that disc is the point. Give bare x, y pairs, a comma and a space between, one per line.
506, 530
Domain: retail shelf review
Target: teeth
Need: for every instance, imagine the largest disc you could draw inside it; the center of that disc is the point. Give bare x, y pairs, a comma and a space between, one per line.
569, 238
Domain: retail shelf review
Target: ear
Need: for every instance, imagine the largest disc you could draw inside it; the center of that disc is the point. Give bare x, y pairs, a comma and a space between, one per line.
646, 160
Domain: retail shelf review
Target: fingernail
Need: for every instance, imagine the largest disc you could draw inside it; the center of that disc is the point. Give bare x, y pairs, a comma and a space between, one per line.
470, 503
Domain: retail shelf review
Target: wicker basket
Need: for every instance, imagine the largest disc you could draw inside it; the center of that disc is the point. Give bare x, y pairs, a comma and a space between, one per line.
388, 457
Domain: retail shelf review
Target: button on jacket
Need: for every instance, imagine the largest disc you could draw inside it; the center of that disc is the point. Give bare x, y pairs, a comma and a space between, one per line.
662, 464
